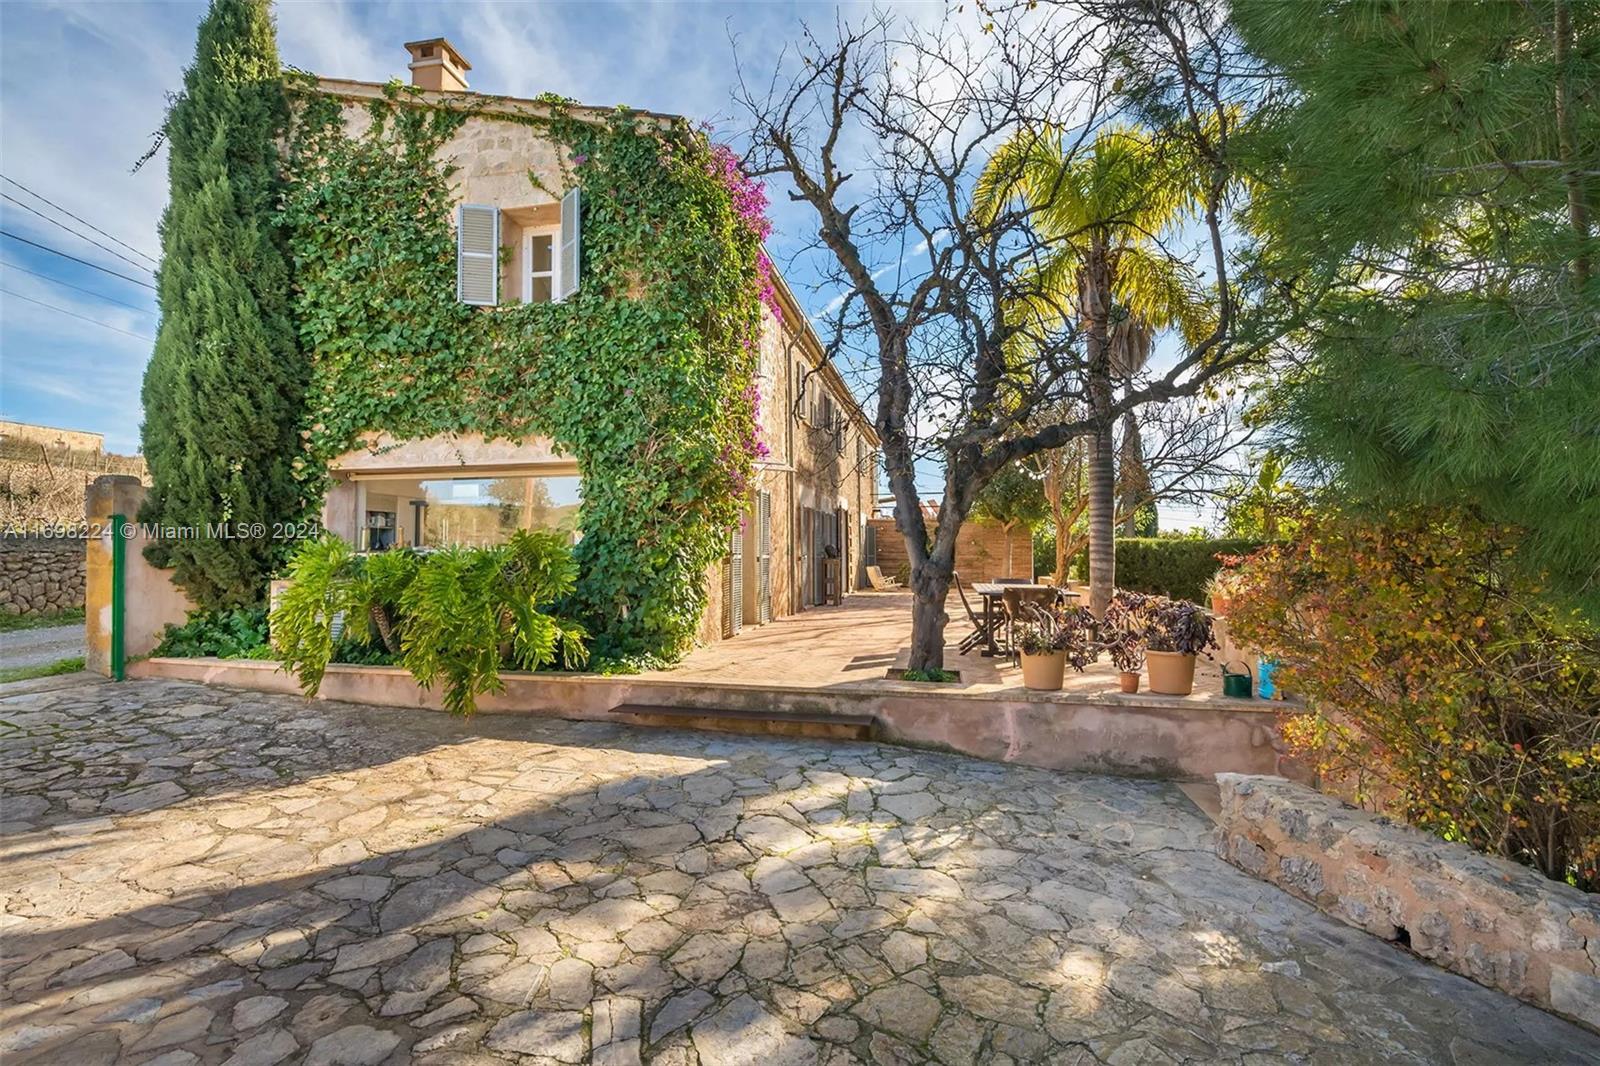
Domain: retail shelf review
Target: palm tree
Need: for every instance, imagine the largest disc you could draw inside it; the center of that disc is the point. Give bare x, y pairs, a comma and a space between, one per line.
1105, 209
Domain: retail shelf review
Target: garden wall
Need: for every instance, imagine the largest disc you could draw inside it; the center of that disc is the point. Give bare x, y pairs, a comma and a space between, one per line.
984, 550
40, 575
1496, 922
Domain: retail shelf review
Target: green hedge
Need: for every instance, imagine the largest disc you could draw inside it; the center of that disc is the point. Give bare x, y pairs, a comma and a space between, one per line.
1171, 566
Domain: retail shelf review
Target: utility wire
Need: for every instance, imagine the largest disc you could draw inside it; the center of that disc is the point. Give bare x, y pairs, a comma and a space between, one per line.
75, 259
74, 217
75, 233
74, 314
78, 288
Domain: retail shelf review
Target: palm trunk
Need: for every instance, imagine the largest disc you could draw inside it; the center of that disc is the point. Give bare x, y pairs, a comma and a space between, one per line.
1102, 519
1131, 477
1095, 289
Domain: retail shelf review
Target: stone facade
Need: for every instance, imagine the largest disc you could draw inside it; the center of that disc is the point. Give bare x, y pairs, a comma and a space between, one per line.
984, 550
40, 575
1498, 923
820, 474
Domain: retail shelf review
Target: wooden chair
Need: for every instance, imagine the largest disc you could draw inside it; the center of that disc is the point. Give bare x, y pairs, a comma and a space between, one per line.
980, 632
880, 583
1013, 599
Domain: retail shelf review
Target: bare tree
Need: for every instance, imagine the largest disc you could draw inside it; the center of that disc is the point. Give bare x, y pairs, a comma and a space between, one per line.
882, 129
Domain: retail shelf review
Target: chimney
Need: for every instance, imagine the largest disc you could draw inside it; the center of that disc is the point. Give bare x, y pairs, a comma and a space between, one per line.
436, 65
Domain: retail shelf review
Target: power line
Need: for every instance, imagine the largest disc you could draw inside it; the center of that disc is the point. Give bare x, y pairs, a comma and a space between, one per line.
74, 314
75, 233
78, 288
75, 259
85, 221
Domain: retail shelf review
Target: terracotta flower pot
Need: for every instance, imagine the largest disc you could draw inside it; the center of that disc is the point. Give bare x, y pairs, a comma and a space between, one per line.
1219, 605
1171, 674
1129, 680
1044, 673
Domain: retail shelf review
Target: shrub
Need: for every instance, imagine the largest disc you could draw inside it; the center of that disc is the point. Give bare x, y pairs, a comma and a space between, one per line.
231, 633
1173, 566
1441, 687
459, 615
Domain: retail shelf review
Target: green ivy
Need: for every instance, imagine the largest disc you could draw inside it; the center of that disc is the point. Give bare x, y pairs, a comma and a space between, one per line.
645, 376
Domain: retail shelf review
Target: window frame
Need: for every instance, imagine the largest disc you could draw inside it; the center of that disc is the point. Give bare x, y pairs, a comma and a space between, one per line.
528, 273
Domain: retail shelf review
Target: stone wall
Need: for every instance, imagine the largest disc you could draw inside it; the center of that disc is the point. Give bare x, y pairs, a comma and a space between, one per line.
984, 550
40, 575
1498, 923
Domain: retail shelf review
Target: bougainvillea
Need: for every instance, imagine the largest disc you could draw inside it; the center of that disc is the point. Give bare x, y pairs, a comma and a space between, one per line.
1441, 686
644, 376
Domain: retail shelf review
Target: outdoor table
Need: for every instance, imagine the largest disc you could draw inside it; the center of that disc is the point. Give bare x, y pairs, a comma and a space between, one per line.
992, 593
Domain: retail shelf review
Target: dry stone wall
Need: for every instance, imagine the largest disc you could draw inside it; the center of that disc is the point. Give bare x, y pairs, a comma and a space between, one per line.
1498, 923
40, 575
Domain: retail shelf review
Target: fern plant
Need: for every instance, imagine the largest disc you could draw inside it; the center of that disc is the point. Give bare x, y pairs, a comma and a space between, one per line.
322, 591
457, 615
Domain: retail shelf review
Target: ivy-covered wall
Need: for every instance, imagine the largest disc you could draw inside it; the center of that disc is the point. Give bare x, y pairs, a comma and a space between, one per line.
645, 376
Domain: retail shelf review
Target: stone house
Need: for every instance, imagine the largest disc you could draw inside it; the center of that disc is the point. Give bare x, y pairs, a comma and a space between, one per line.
516, 242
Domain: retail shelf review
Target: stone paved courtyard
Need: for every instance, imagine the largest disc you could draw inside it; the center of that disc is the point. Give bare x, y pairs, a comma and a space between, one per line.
196, 875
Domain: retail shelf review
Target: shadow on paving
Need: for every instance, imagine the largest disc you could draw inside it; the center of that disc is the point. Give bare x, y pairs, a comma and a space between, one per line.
576, 889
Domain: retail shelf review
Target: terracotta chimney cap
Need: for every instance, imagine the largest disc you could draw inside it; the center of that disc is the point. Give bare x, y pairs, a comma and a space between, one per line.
435, 64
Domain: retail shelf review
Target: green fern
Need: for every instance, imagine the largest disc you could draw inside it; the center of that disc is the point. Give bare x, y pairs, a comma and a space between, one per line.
456, 616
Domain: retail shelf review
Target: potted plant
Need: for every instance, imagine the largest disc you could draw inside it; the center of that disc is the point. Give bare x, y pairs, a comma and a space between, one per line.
1050, 638
1220, 590
1122, 635
1127, 655
1175, 632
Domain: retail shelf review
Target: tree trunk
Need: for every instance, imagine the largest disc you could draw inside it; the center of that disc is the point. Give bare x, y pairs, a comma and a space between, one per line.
1102, 519
1059, 513
1567, 144
1095, 298
930, 584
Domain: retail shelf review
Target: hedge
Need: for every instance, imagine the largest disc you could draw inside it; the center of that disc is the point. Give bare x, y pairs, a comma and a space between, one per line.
1171, 566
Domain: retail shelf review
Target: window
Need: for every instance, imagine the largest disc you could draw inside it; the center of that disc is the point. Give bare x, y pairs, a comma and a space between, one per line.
434, 512
540, 267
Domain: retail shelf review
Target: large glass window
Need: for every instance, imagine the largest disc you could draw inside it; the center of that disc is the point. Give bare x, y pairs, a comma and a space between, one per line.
434, 512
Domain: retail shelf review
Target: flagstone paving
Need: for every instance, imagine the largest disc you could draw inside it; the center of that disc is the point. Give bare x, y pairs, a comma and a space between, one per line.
196, 875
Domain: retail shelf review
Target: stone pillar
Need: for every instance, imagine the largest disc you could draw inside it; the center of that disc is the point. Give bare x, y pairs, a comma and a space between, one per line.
150, 600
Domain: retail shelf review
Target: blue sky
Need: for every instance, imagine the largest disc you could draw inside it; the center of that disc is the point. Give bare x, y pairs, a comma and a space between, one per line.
84, 85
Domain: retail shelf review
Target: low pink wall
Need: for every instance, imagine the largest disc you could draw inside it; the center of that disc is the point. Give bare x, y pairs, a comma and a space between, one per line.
1142, 736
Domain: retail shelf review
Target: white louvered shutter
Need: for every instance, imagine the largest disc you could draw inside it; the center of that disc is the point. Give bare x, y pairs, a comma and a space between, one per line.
571, 243
764, 558
733, 587
478, 255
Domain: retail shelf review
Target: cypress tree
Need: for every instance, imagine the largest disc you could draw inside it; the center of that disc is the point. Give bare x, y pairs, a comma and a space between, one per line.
224, 390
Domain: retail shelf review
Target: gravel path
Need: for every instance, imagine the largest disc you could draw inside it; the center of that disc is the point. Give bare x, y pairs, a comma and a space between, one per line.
195, 876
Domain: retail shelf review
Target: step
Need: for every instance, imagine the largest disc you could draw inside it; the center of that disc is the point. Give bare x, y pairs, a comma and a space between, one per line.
757, 723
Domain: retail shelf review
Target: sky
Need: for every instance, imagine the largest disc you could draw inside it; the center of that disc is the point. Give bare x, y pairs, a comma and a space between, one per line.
84, 86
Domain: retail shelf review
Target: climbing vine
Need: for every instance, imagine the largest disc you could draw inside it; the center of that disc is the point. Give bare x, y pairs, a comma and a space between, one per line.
645, 376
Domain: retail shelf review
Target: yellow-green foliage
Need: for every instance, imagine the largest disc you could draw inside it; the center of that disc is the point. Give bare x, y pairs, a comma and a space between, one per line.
1440, 682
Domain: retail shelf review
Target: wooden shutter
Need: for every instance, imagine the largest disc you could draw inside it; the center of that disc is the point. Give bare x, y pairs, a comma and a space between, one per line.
478, 255
735, 612
571, 245
764, 558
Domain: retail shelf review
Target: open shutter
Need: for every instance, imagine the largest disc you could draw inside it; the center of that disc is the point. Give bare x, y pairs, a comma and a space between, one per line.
764, 558
478, 255
571, 240
733, 587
